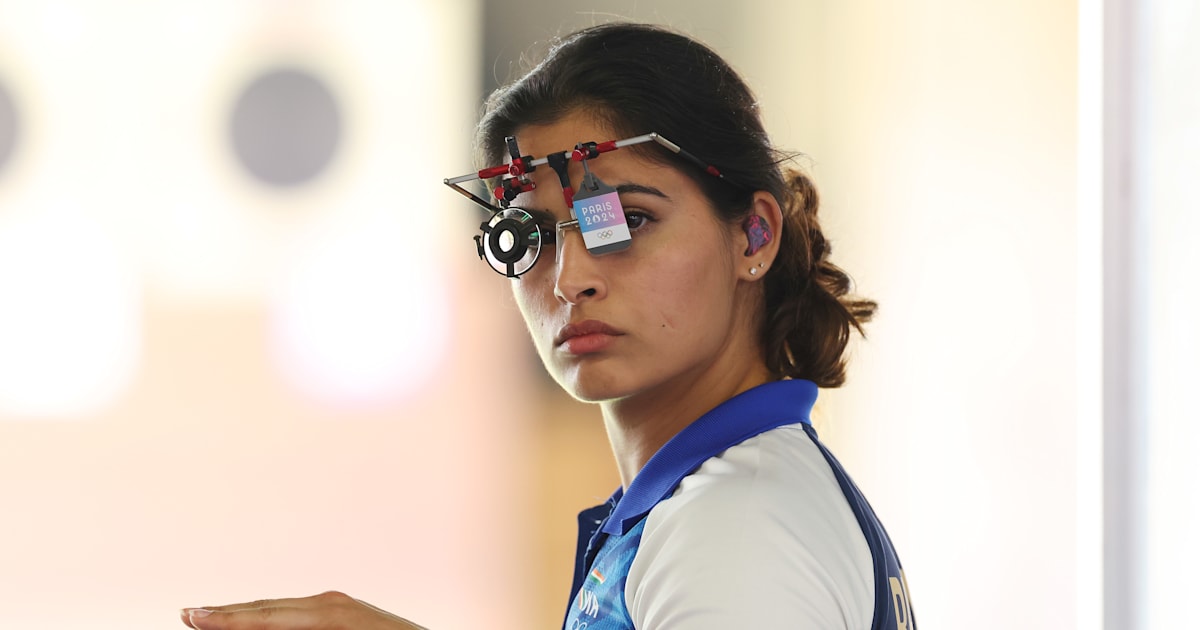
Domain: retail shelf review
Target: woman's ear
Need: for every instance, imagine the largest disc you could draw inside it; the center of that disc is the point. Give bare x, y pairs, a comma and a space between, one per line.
759, 239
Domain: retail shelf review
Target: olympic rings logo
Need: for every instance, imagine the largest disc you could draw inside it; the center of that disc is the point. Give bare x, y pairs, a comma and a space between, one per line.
605, 235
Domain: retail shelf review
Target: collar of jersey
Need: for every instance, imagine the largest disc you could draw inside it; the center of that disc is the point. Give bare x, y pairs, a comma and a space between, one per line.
742, 417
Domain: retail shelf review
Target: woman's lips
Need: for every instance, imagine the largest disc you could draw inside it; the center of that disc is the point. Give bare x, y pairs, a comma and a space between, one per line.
586, 337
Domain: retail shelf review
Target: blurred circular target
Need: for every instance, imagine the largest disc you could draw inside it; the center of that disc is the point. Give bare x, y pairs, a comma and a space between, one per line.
8, 126
286, 127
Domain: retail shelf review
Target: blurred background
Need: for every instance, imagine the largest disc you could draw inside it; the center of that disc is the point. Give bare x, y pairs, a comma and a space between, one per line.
247, 351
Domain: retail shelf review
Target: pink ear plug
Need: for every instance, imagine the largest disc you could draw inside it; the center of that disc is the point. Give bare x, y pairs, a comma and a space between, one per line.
757, 232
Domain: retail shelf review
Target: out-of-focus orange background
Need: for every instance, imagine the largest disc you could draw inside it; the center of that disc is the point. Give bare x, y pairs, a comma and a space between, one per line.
247, 351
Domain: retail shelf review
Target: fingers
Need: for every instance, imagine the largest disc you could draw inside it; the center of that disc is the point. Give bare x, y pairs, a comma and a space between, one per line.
324, 611
292, 602
263, 613
263, 617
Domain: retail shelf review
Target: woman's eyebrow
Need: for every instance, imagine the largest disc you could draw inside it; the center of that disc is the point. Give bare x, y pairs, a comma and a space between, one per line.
546, 217
639, 188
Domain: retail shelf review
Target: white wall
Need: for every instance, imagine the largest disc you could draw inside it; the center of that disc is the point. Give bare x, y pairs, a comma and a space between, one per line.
1166, 137
943, 136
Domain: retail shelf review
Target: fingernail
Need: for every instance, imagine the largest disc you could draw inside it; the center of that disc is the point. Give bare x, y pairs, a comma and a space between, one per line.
197, 612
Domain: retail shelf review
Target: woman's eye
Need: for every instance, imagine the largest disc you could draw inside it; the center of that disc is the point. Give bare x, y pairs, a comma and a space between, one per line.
636, 220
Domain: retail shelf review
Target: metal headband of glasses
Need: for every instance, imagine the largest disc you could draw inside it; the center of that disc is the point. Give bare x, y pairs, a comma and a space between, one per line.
511, 240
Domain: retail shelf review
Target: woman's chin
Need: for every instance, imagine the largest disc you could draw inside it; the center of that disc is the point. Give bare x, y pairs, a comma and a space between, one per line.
588, 392
592, 387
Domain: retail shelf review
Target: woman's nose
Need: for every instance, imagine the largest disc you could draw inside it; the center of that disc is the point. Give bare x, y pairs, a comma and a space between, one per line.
579, 278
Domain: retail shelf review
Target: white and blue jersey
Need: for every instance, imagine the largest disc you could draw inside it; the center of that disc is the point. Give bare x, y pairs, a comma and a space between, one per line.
742, 520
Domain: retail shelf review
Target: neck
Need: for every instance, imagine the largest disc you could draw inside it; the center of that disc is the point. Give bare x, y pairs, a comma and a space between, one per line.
639, 425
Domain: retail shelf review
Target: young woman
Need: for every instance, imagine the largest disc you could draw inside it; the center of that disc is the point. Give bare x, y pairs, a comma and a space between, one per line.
703, 333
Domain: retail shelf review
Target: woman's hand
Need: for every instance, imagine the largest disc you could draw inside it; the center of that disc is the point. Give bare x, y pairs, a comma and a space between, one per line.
327, 611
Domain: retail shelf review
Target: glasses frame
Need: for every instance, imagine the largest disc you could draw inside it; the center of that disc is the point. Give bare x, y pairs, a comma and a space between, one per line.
522, 165
515, 179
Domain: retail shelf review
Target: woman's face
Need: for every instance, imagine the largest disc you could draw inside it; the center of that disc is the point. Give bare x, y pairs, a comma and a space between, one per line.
660, 314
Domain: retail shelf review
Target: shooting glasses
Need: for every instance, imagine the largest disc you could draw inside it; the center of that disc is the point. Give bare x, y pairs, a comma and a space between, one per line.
512, 239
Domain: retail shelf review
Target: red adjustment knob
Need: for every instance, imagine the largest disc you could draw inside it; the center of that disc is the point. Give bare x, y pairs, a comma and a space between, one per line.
520, 166
585, 151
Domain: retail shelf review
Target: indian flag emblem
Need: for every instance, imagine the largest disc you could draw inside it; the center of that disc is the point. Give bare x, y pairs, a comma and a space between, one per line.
596, 577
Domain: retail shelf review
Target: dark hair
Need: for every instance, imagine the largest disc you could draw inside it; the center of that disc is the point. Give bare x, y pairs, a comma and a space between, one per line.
638, 78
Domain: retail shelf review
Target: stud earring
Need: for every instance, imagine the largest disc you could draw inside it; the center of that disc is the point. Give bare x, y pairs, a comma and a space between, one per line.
754, 271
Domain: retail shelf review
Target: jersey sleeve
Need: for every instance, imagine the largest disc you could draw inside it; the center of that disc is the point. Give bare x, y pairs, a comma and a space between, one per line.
760, 536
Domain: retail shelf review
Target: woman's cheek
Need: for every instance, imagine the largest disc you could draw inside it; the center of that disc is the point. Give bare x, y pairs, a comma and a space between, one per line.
534, 312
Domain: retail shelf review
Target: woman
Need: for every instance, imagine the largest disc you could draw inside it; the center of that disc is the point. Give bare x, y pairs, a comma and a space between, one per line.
702, 336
